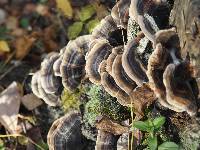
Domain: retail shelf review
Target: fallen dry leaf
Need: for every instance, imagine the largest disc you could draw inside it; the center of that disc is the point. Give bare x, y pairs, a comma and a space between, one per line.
24, 44
49, 39
12, 23
30, 101
9, 107
4, 47
42, 10
65, 7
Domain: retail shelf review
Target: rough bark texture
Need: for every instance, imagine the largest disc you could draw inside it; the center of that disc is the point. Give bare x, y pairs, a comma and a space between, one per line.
185, 16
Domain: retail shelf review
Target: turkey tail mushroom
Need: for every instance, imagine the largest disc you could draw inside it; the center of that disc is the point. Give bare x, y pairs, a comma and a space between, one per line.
111, 87
50, 83
169, 76
120, 12
65, 133
104, 29
111, 58
106, 141
50, 99
179, 92
97, 54
120, 76
131, 64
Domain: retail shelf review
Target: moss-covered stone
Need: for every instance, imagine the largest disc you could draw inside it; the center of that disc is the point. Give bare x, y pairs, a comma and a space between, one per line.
70, 100
101, 103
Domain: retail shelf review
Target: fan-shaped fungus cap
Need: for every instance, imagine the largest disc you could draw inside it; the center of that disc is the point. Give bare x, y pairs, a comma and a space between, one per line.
50, 83
34, 84
106, 141
120, 12
106, 124
179, 92
120, 76
171, 84
139, 12
111, 57
50, 99
131, 64
65, 133
72, 68
56, 66
82, 43
98, 53
104, 29
113, 89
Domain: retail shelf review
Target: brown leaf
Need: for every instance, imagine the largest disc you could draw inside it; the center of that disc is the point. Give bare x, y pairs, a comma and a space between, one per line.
24, 44
9, 107
106, 124
49, 39
30, 101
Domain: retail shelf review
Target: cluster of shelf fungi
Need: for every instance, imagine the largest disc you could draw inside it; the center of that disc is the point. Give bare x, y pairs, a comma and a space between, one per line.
135, 55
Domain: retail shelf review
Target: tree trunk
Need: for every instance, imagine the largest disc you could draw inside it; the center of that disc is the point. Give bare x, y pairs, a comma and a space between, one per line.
185, 16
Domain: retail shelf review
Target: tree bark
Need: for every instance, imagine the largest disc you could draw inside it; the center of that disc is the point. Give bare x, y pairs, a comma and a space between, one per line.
185, 16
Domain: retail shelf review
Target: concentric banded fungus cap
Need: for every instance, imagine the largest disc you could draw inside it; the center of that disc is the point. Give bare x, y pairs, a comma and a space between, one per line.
50, 99
106, 141
156, 67
106, 124
111, 58
34, 84
72, 68
56, 66
111, 87
81, 42
120, 76
50, 83
179, 92
106, 26
139, 12
120, 12
98, 53
65, 133
132, 64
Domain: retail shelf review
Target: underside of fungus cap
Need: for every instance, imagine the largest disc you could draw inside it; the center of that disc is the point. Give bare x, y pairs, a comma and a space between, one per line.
120, 12
106, 141
132, 65
98, 53
66, 133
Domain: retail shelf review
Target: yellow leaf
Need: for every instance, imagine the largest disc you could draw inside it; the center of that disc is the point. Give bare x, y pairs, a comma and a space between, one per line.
4, 46
65, 7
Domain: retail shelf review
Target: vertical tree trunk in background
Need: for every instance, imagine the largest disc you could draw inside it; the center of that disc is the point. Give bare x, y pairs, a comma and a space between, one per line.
185, 16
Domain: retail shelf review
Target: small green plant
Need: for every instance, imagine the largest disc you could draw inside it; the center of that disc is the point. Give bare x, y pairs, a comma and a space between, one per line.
152, 126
